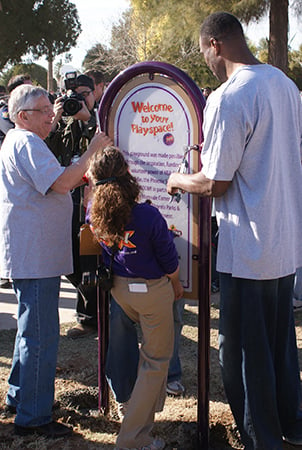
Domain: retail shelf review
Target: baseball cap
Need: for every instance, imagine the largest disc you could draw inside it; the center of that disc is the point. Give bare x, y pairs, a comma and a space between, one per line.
84, 80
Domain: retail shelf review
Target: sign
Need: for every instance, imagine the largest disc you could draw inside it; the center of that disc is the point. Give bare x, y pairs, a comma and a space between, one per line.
149, 113
153, 111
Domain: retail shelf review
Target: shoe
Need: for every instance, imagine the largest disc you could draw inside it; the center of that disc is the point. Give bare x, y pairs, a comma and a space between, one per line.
293, 441
5, 283
10, 409
53, 430
175, 388
157, 444
297, 304
121, 409
80, 331
13, 410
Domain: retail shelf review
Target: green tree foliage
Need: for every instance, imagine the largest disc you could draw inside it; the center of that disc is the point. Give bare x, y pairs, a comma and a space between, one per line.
169, 31
46, 27
18, 29
295, 66
172, 24
38, 74
59, 28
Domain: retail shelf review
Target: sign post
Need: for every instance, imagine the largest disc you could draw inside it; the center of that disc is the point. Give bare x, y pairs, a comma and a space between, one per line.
153, 111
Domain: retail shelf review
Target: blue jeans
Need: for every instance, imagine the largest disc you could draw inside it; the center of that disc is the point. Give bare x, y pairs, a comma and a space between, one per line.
31, 381
123, 353
259, 360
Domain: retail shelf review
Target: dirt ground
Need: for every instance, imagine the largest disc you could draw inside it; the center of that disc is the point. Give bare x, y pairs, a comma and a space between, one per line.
77, 392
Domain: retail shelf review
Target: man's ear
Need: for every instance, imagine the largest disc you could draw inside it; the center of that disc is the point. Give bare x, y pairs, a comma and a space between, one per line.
216, 45
22, 115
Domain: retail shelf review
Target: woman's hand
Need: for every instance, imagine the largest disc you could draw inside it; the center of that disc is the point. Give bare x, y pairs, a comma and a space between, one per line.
178, 289
176, 284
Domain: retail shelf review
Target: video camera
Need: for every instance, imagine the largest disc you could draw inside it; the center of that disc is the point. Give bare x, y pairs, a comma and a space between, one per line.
72, 101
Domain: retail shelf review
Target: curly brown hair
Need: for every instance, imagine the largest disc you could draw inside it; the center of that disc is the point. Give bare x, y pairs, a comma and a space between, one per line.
115, 193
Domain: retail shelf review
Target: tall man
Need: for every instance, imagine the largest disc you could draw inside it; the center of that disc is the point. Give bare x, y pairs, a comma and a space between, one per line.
35, 250
252, 162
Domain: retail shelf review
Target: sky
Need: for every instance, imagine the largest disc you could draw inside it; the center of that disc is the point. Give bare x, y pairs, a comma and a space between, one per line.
97, 16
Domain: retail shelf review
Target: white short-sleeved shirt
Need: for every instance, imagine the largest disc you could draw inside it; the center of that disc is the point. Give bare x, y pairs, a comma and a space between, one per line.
253, 137
35, 225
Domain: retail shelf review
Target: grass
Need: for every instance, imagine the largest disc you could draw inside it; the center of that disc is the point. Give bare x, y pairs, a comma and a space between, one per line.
77, 392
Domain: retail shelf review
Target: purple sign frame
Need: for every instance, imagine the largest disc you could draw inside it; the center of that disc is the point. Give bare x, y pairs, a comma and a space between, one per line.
180, 77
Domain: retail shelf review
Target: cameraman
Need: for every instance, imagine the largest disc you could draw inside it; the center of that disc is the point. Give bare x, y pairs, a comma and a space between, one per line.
68, 140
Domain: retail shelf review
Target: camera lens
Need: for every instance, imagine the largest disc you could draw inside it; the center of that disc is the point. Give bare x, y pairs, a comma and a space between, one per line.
71, 106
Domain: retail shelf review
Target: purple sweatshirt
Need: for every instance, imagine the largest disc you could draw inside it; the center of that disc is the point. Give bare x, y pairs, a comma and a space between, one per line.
148, 250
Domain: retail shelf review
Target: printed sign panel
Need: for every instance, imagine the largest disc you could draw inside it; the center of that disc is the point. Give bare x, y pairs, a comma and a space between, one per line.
154, 122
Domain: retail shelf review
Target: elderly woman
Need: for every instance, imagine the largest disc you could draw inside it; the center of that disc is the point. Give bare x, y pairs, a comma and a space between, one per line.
35, 250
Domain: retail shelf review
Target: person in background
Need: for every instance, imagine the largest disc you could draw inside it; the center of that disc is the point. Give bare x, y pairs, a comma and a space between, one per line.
136, 241
68, 140
206, 92
35, 250
251, 164
99, 84
17, 80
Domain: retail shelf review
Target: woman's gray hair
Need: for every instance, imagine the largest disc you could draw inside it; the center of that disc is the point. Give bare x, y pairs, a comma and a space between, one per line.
24, 97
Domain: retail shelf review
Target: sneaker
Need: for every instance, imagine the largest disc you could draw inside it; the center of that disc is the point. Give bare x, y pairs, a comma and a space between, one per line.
157, 444
53, 430
121, 409
297, 304
293, 441
80, 331
175, 388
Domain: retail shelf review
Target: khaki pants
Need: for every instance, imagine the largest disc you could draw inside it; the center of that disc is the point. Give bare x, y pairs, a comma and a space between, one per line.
154, 311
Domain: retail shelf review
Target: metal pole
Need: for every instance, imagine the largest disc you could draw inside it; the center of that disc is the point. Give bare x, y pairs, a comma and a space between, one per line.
204, 324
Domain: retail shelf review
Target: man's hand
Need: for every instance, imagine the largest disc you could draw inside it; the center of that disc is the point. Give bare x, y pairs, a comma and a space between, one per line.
83, 114
172, 187
99, 141
196, 183
58, 111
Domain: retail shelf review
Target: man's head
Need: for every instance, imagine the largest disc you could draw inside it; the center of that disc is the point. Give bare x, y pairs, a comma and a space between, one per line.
99, 83
30, 108
221, 38
85, 87
17, 80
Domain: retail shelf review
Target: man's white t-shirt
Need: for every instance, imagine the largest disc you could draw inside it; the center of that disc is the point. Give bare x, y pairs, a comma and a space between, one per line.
35, 225
253, 137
